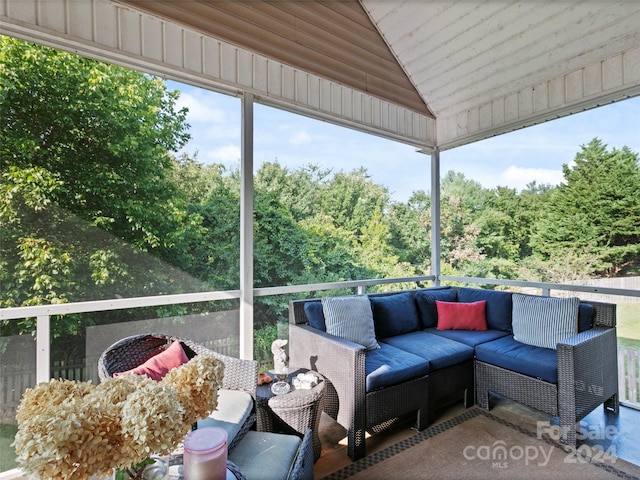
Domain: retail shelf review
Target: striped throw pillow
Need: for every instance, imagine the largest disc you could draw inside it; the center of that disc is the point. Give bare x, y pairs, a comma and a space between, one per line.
350, 318
544, 321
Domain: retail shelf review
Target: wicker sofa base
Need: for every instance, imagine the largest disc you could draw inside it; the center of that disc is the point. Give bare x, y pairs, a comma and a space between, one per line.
535, 393
450, 385
529, 391
383, 405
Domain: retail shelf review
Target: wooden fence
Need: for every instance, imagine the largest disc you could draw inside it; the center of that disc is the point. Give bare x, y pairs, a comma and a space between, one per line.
629, 375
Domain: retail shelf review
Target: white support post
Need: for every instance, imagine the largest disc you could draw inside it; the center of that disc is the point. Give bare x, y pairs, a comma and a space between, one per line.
246, 230
43, 348
435, 215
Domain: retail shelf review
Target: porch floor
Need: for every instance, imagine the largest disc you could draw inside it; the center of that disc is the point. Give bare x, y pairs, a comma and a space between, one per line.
625, 426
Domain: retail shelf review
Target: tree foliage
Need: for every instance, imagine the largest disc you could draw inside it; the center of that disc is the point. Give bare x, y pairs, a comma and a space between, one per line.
596, 210
85, 182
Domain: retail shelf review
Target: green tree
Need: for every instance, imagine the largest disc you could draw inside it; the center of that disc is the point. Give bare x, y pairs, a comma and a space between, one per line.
300, 189
351, 198
462, 201
212, 250
504, 229
84, 183
409, 227
596, 210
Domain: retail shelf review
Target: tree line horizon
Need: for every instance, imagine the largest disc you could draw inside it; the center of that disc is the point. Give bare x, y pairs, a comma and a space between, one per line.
96, 204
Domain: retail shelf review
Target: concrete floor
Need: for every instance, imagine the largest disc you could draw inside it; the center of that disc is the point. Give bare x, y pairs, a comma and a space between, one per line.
616, 434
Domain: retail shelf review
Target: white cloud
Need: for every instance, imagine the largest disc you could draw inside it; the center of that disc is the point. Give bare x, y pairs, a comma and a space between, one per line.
520, 177
226, 154
200, 109
300, 138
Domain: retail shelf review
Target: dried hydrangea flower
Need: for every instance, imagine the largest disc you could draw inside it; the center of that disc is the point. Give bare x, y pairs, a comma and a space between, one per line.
54, 392
65, 440
152, 420
75, 430
197, 383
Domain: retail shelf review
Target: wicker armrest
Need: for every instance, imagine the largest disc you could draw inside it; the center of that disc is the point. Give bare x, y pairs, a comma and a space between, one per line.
588, 369
311, 348
341, 362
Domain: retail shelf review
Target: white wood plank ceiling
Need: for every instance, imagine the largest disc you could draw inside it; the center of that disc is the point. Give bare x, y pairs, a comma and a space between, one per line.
466, 69
482, 65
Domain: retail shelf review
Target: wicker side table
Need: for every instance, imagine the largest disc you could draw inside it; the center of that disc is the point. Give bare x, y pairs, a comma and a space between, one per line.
294, 412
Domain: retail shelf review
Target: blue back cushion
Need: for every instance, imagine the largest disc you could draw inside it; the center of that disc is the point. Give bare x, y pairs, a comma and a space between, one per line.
499, 306
315, 315
585, 316
426, 303
394, 314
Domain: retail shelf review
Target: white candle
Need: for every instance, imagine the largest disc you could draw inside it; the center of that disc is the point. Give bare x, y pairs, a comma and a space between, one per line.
205, 454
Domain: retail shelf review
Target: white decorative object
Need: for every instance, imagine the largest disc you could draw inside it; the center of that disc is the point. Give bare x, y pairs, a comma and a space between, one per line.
305, 381
279, 357
280, 388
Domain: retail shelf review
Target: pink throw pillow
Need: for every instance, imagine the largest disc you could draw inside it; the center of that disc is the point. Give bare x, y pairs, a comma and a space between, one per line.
462, 316
158, 365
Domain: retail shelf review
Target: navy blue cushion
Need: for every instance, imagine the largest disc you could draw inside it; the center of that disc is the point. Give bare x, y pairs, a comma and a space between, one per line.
387, 366
585, 316
439, 351
426, 302
533, 361
394, 314
469, 337
499, 306
315, 315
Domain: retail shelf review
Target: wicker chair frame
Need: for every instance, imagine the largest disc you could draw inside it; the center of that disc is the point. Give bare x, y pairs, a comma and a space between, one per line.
132, 351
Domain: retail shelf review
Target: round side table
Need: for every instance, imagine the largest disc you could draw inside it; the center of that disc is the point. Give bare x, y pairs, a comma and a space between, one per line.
294, 412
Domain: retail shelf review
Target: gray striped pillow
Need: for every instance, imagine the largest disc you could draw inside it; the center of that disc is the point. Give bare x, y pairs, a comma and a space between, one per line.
350, 318
544, 321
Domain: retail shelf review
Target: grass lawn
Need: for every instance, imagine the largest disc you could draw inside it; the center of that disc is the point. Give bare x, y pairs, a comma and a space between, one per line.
628, 317
7, 453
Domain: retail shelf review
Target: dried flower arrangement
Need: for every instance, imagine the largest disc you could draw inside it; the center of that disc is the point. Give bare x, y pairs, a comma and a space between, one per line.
76, 430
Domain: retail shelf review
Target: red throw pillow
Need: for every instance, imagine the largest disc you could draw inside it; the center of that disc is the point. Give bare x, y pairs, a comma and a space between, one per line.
462, 316
158, 365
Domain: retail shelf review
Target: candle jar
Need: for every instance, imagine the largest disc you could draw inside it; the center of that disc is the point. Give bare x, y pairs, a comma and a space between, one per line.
205, 454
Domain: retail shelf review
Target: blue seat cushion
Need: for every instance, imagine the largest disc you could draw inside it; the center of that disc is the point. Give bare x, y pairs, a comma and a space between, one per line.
508, 353
387, 366
499, 306
426, 303
394, 314
469, 337
266, 456
440, 352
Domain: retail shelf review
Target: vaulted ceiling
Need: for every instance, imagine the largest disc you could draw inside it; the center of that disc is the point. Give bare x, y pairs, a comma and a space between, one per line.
450, 60
434, 73
333, 39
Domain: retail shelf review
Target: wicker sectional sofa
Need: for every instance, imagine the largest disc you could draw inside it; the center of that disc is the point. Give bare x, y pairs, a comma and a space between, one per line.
431, 348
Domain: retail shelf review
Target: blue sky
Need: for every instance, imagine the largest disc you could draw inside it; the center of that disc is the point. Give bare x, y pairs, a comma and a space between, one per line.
513, 160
